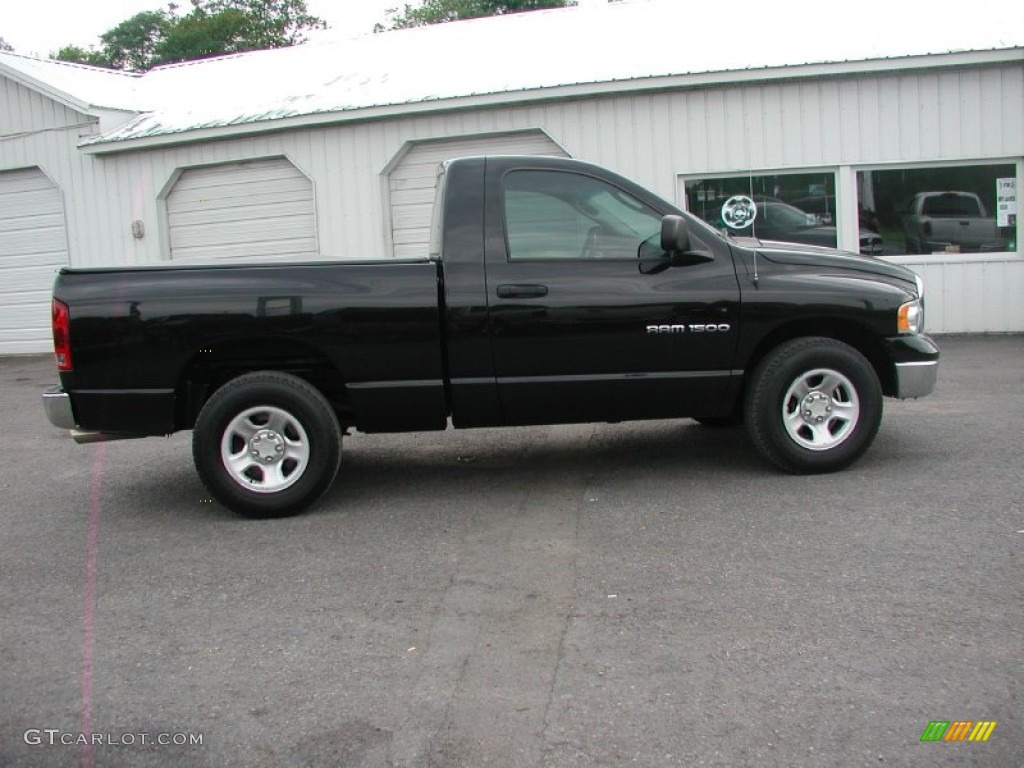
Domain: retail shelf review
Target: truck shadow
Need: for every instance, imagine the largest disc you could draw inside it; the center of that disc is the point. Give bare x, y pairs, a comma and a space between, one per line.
472, 464
469, 466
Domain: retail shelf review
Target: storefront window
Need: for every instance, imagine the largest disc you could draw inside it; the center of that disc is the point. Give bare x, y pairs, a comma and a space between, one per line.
954, 209
790, 207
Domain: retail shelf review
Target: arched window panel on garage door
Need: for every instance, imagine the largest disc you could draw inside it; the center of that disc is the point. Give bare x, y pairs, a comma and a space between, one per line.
412, 179
33, 246
255, 209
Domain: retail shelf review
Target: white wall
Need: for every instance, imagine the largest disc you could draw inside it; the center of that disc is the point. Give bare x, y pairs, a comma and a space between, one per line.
37, 135
972, 294
38, 131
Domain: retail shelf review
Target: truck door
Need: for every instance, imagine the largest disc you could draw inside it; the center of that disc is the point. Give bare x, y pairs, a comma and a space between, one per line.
578, 332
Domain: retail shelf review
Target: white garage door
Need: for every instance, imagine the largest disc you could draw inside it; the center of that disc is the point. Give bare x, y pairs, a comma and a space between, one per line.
33, 246
253, 209
412, 182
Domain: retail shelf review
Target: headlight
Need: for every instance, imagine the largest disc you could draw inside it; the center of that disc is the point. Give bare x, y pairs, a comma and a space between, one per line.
920, 286
910, 318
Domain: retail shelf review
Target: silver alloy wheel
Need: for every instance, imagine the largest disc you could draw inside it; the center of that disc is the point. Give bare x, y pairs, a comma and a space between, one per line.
820, 409
265, 449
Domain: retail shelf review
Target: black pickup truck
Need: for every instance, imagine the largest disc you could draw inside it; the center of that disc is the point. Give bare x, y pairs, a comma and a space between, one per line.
555, 292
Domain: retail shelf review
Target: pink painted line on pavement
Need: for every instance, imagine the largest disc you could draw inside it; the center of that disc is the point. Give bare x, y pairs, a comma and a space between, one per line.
89, 602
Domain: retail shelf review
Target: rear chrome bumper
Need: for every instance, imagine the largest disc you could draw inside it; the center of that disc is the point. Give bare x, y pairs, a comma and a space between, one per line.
57, 404
916, 379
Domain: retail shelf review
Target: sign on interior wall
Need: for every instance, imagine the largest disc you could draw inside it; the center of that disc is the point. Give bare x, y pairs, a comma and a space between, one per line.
1006, 202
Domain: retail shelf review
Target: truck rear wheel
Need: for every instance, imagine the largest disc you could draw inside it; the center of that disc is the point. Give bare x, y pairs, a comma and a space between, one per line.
813, 405
267, 444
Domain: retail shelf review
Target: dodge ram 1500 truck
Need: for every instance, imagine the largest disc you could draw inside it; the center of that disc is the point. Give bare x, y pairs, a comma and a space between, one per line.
554, 292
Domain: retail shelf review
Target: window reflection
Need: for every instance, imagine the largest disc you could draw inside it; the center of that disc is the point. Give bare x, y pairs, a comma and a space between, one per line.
952, 209
561, 215
793, 207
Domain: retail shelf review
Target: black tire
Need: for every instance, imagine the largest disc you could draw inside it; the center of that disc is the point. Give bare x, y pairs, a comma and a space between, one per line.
828, 382
269, 417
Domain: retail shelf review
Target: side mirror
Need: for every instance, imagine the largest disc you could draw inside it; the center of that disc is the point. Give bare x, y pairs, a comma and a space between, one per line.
675, 240
674, 250
675, 237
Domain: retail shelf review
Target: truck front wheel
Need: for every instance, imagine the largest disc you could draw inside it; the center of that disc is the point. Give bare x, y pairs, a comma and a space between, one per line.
813, 405
267, 444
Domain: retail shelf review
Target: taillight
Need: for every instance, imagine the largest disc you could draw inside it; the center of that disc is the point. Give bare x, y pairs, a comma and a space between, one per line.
62, 335
926, 228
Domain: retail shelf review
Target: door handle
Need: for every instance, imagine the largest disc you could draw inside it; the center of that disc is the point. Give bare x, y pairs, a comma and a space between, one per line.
522, 291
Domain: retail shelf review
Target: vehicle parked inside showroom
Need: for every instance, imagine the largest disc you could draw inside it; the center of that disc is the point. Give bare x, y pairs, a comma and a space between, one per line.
950, 221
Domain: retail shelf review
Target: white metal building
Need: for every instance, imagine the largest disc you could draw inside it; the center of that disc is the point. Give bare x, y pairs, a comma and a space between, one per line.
329, 150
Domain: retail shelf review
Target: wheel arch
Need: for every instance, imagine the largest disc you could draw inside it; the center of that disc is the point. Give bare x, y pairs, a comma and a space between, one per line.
849, 332
217, 363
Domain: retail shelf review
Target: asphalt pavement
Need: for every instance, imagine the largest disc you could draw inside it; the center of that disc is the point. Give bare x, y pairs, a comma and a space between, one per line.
644, 594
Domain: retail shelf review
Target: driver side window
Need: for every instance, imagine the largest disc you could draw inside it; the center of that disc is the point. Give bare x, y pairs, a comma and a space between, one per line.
557, 215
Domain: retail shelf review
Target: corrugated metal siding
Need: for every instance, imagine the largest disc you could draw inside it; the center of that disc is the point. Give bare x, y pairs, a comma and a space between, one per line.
651, 138
981, 295
262, 208
33, 246
22, 109
411, 184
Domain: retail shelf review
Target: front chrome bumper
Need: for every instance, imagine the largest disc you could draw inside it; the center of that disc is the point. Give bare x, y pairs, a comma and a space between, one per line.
57, 404
916, 379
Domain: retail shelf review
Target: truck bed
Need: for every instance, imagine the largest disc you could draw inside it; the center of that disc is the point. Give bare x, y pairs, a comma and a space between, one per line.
136, 331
